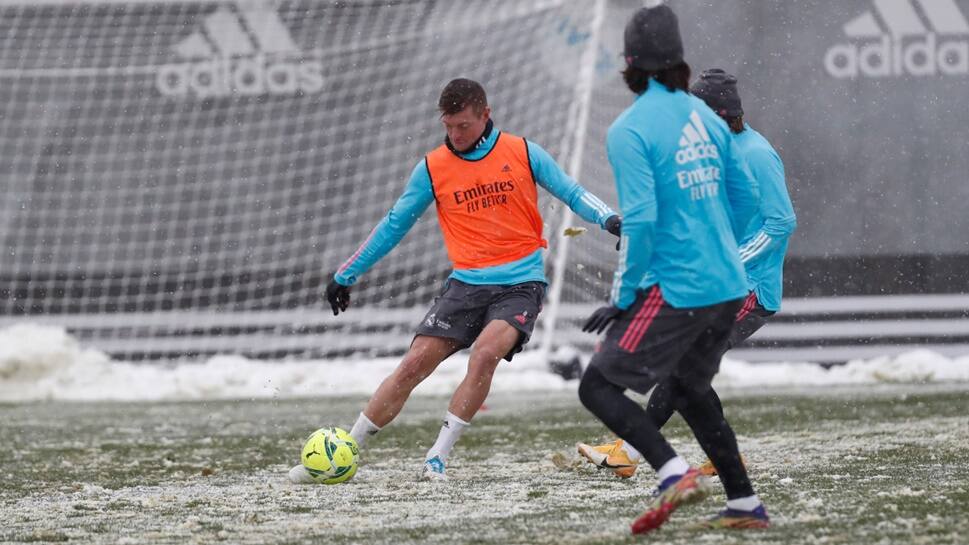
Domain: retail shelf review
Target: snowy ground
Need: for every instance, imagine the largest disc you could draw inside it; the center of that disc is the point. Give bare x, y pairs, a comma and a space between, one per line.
99, 451
850, 465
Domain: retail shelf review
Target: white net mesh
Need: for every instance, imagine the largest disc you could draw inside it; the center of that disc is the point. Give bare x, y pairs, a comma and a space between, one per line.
181, 177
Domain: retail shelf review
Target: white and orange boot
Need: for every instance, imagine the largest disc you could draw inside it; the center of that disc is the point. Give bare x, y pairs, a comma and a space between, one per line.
613, 456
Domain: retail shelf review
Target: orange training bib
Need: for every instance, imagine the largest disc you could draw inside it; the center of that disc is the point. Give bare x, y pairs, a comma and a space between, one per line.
488, 209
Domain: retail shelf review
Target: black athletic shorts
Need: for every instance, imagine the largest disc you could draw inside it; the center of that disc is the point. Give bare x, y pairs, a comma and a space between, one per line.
751, 317
463, 310
652, 340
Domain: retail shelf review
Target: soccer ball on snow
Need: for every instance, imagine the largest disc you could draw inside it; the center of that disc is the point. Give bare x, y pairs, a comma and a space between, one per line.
330, 455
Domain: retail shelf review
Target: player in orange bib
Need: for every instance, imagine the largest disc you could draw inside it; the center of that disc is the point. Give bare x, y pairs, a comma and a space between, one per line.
484, 184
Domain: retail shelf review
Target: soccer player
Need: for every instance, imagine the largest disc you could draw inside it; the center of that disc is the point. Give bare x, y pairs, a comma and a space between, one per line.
484, 184
762, 252
685, 193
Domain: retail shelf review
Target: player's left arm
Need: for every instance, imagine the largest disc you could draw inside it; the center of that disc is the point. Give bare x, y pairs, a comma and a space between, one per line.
743, 191
636, 187
776, 209
550, 175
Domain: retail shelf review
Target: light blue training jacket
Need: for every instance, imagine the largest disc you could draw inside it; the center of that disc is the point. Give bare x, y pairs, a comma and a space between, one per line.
764, 245
686, 196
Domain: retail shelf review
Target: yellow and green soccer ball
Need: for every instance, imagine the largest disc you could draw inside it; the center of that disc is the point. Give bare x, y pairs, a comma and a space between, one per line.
330, 455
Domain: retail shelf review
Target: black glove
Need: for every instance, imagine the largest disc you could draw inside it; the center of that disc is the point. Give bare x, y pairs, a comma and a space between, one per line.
614, 226
601, 319
338, 295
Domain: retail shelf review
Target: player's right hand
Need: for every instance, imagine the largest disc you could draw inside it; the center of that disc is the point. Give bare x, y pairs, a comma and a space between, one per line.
614, 226
338, 295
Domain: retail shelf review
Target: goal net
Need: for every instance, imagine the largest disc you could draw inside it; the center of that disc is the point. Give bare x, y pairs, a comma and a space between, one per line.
182, 177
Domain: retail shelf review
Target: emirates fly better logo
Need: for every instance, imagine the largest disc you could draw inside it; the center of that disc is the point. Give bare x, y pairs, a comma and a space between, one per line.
246, 52
903, 38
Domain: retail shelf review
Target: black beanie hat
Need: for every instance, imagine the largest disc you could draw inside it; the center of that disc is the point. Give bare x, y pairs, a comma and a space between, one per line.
719, 90
652, 39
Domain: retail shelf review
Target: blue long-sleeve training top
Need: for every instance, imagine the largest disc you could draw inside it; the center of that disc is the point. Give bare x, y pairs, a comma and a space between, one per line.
686, 197
764, 244
419, 194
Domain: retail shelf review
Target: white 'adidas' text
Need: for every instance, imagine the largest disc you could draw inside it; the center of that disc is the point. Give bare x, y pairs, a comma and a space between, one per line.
229, 59
695, 142
904, 46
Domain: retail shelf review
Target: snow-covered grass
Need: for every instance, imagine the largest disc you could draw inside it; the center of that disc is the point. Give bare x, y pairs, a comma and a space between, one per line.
864, 465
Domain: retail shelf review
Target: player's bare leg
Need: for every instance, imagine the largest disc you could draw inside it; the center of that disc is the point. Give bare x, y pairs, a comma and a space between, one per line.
494, 342
423, 357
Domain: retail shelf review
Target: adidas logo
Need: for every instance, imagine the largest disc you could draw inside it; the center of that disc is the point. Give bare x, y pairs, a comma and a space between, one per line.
904, 38
695, 142
506, 168
247, 52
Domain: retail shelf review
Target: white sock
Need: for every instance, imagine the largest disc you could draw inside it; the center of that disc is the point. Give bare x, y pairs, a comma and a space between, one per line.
363, 428
676, 466
450, 432
744, 504
631, 451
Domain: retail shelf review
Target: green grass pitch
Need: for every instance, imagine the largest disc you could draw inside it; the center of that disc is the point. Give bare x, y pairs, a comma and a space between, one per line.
861, 466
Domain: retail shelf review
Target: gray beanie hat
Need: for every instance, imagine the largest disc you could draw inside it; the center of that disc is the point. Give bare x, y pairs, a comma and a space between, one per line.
719, 90
652, 39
